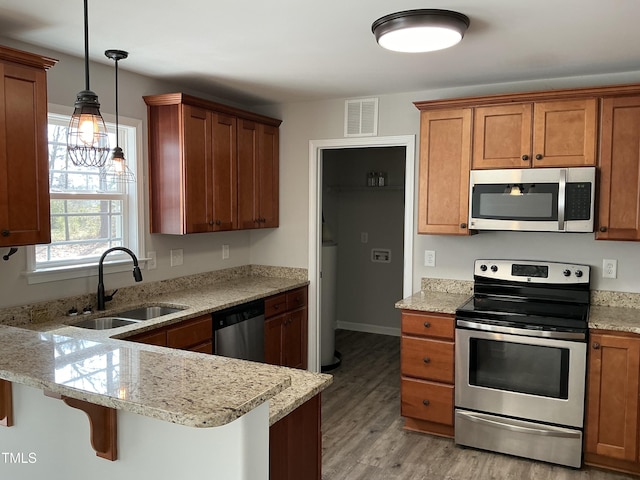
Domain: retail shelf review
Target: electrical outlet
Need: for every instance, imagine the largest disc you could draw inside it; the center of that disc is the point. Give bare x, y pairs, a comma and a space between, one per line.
429, 258
364, 237
151, 262
609, 268
225, 252
177, 257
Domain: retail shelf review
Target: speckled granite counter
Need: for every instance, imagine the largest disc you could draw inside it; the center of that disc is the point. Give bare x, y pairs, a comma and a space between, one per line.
620, 319
438, 295
172, 385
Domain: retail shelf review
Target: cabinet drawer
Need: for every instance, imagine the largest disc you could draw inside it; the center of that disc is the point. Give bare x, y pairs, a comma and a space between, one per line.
428, 325
206, 347
296, 298
275, 305
427, 401
193, 332
427, 359
155, 337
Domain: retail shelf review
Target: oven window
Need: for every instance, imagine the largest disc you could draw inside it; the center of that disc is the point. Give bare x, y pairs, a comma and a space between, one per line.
517, 367
533, 202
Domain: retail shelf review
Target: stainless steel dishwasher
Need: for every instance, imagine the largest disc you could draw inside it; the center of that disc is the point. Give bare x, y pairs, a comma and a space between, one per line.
239, 331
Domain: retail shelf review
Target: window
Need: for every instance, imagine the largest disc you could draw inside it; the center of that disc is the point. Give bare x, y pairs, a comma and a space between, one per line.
91, 210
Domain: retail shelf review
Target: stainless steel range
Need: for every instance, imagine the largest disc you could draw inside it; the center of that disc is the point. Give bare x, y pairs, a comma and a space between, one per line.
521, 346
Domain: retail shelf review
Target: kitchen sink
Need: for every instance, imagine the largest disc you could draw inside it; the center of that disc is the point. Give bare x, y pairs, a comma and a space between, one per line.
147, 313
104, 323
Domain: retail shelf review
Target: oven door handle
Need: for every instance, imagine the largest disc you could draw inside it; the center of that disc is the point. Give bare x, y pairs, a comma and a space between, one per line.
521, 331
506, 424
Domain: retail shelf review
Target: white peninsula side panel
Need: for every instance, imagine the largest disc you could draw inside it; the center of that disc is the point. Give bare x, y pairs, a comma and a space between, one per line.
50, 439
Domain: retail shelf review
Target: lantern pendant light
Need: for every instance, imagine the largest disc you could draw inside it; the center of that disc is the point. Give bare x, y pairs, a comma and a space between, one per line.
118, 169
87, 138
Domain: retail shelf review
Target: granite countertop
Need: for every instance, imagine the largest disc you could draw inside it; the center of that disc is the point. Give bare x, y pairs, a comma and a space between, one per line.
177, 386
432, 301
619, 319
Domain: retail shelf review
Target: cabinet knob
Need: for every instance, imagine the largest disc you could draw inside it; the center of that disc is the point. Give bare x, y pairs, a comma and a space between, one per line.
218, 222
427, 324
426, 403
525, 158
257, 220
596, 346
463, 225
426, 360
538, 156
5, 233
263, 220
210, 222
603, 229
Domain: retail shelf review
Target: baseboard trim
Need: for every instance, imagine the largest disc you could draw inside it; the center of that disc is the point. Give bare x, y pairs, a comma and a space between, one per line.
368, 328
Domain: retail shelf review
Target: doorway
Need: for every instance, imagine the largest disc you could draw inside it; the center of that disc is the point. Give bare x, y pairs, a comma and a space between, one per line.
317, 151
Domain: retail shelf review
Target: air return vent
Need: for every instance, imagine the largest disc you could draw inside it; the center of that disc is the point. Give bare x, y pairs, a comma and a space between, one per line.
361, 117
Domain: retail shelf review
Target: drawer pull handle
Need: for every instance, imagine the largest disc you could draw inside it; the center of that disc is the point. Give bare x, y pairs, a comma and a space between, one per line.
426, 360
427, 324
426, 403
596, 346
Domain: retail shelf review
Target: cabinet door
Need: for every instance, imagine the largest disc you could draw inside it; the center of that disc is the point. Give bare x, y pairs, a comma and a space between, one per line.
502, 136
445, 156
294, 339
273, 339
24, 166
198, 169
611, 428
248, 208
223, 192
268, 176
619, 208
564, 133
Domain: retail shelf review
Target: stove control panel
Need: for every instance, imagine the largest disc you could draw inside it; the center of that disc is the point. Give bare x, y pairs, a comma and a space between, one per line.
530, 271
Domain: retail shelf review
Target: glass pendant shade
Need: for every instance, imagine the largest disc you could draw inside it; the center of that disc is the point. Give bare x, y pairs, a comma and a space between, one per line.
423, 30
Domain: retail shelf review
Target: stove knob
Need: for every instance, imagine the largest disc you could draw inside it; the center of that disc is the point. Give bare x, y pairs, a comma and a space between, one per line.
578, 273
494, 268
483, 267
566, 273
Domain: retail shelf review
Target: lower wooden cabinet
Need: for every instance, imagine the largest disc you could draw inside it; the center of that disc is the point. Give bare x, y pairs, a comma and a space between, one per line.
295, 444
611, 425
285, 329
195, 335
427, 369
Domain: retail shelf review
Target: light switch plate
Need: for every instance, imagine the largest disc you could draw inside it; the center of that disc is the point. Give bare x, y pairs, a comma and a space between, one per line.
225, 252
151, 262
177, 257
429, 258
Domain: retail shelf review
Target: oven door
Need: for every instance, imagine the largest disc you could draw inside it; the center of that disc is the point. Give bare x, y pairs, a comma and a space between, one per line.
535, 378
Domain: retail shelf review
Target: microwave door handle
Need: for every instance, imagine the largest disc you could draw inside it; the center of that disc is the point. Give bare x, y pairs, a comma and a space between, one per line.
562, 186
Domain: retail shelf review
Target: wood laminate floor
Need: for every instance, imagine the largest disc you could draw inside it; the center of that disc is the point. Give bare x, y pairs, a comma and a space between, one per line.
363, 437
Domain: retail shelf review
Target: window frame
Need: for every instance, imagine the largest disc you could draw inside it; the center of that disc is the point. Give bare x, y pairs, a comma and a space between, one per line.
133, 221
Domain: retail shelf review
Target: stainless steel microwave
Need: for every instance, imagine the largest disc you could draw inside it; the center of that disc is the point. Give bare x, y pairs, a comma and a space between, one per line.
535, 199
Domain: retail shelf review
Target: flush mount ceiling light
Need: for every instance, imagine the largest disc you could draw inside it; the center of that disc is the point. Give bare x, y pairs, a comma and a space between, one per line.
422, 30
87, 139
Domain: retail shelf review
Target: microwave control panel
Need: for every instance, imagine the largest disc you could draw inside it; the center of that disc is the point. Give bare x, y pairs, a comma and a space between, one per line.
577, 201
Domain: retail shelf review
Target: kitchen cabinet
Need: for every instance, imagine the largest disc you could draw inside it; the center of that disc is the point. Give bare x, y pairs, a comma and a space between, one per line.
24, 156
200, 157
619, 196
195, 335
611, 425
258, 179
445, 156
295, 444
561, 133
427, 368
286, 331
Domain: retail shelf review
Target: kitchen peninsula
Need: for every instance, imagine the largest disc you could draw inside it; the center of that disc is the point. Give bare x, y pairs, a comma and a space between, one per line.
159, 412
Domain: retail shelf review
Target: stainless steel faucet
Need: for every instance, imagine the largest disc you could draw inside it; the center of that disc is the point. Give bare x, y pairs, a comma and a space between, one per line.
137, 275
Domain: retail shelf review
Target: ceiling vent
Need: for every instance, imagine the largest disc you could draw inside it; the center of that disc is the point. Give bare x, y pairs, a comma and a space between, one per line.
361, 117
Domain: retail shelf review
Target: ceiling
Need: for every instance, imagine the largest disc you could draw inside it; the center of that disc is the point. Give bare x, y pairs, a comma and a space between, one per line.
279, 51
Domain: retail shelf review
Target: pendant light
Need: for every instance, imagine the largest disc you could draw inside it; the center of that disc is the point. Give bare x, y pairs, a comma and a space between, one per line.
118, 169
424, 30
87, 139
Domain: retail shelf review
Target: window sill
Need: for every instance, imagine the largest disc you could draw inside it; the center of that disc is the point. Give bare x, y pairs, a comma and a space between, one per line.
57, 274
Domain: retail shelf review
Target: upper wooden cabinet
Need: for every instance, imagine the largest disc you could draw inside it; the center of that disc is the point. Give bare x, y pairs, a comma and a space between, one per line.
24, 164
200, 157
543, 134
445, 157
258, 184
619, 208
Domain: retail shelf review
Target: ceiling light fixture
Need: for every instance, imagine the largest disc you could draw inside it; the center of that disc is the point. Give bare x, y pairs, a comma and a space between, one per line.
87, 139
118, 168
422, 30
